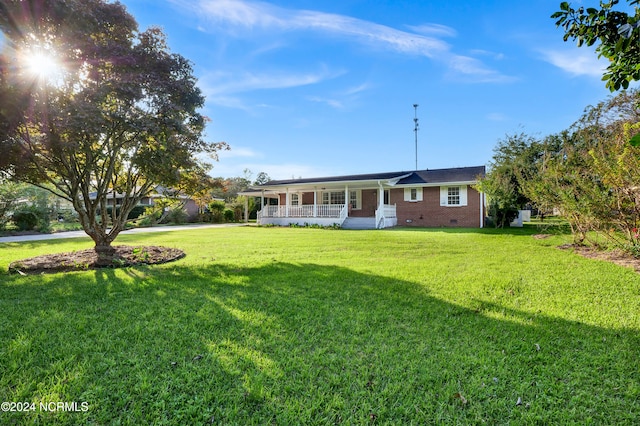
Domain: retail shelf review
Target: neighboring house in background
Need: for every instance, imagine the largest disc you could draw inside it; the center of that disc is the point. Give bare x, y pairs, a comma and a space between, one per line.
428, 198
189, 205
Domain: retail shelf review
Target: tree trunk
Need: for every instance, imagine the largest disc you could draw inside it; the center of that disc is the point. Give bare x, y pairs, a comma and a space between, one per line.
105, 255
105, 252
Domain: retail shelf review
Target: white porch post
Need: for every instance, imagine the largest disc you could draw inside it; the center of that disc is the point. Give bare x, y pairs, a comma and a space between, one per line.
315, 202
286, 206
346, 198
482, 210
380, 196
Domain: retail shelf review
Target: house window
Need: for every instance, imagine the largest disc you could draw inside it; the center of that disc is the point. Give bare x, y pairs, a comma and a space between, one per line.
335, 197
294, 199
453, 196
413, 195
354, 200
338, 197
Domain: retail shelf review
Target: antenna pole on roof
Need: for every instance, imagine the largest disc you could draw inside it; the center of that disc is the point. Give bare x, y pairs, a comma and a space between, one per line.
415, 130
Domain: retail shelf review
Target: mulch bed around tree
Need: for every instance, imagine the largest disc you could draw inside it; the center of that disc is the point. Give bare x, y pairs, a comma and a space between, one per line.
618, 257
85, 259
614, 256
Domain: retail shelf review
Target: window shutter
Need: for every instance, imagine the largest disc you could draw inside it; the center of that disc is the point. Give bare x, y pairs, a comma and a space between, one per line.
407, 194
463, 195
444, 195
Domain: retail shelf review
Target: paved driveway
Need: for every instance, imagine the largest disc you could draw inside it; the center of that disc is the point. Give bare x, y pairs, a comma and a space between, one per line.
80, 234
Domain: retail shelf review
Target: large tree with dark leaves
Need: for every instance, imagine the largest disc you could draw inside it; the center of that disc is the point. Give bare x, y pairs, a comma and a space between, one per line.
514, 161
615, 33
93, 109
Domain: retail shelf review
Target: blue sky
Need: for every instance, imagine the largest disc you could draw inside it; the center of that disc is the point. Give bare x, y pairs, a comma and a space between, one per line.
317, 88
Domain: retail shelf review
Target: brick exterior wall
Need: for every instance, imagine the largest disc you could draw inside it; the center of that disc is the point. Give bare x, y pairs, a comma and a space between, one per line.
369, 204
307, 198
429, 213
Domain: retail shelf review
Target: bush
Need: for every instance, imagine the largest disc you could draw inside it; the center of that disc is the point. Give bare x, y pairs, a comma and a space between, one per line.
25, 220
177, 216
136, 212
133, 214
217, 210
229, 215
29, 218
151, 216
67, 215
502, 216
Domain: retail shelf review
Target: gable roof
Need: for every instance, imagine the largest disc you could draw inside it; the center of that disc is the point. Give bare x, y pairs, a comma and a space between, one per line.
417, 177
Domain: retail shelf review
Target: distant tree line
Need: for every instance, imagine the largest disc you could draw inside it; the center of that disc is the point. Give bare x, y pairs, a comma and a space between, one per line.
221, 201
26, 207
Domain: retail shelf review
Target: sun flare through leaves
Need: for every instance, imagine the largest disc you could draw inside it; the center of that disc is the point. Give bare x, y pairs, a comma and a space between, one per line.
41, 64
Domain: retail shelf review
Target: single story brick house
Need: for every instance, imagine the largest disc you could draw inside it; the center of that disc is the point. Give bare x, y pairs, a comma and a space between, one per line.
426, 198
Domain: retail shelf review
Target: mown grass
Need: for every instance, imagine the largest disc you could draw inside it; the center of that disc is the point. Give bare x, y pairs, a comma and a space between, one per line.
306, 326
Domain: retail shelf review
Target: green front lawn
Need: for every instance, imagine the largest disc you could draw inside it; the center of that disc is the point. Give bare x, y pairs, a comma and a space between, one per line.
309, 326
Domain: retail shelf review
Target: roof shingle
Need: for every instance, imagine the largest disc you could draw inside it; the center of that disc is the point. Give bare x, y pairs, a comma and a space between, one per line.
459, 174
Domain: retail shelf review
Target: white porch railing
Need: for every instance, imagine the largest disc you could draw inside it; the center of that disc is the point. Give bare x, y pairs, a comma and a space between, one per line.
306, 211
324, 214
387, 213
344, 213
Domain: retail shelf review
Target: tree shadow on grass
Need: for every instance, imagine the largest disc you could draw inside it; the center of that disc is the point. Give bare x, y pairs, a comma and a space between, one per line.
290, 343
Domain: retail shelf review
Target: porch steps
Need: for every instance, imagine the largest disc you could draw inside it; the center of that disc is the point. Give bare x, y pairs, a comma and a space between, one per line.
359, 223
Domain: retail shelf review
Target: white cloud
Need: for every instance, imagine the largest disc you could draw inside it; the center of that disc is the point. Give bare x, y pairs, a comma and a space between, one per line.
358, 89
334, 103
255, 15
340, 100
238, 152
228, 102
476, 71
225, 83
244, 18
237, 13
222, 88
493, 55
576, 62
434, 29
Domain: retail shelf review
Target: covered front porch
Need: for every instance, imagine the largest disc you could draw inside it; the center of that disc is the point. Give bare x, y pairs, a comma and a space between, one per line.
350, 207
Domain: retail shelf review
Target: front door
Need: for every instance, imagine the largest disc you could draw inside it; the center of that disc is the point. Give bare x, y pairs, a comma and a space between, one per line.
387, 197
